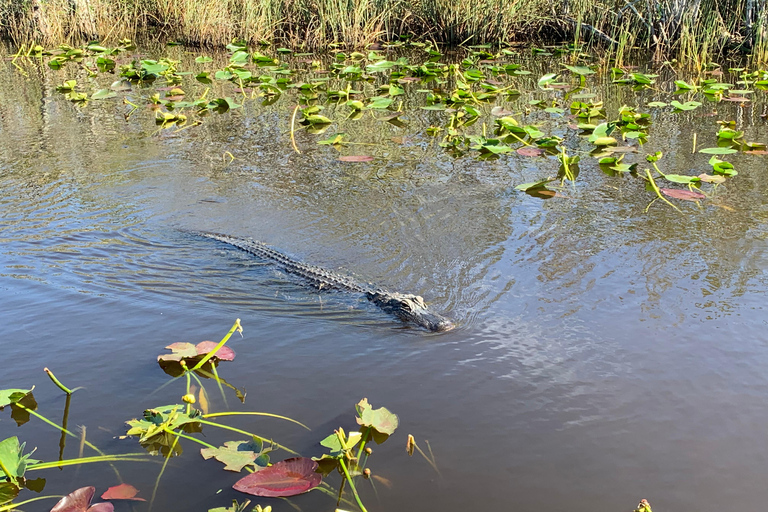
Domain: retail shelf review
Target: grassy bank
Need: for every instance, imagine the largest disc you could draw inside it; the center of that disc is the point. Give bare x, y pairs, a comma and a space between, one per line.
683, 29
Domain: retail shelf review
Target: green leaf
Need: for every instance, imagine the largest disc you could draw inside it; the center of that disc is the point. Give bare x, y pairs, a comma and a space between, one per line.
379, 102
13, 462
718, 151
381, 65
547, 79
533, 185
237, 454
657, 104
579, 70
11, 396
203, 59
8, 491
688, 105
680, 178
683, 85
102, 94
317, 119
333, 139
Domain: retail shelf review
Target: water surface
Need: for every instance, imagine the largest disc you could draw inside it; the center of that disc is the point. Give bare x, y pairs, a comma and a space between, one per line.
604, 353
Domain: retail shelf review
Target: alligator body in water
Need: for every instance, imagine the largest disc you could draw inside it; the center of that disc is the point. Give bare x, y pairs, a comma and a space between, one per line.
409, 308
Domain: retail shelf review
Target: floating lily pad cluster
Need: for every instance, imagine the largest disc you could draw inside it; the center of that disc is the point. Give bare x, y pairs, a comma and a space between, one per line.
485, 103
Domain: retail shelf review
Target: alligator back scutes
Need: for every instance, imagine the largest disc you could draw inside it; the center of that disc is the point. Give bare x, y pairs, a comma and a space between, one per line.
318, 277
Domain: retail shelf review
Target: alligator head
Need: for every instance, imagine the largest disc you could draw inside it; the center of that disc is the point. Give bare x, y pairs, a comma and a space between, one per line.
410, 308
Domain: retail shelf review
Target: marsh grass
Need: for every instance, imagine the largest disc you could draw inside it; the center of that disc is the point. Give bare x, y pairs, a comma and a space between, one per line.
689, 30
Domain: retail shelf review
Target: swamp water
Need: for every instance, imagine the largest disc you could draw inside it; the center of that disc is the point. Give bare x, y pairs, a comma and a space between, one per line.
606, 351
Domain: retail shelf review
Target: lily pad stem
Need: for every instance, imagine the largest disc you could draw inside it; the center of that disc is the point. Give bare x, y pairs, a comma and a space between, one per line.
14, 506
235, 327
58, 382
352, 485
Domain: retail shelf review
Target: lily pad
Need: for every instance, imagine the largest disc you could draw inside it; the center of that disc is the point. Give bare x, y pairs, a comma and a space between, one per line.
80, 501
687, 195
381, 419
11, 396
530, 151
237, 454
718, 151
13, 461
122, 492
286, 478
356, 158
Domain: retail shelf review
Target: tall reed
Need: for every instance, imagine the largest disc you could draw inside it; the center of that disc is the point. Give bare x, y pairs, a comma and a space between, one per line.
692, 30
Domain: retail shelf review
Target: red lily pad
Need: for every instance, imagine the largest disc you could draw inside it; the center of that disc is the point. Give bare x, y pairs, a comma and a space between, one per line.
122, 492
687, 195
356, 158
80, 501
286, 478
530, 151
224, 353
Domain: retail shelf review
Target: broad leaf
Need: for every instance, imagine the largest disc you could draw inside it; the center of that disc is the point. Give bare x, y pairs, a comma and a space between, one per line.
11, 396
12, 459
80, 501
122, 492
287, 478
238, 454
381, 419
687, 195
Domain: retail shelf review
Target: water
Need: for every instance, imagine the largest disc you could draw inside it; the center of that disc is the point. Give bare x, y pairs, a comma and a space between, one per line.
604, 353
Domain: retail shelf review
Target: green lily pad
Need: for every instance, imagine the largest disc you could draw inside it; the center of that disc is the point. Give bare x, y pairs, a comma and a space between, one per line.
13, 461
237, 454
718, 151
11, 396
381, 419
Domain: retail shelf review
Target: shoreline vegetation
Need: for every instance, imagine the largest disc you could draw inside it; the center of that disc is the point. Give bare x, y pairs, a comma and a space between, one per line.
687, 30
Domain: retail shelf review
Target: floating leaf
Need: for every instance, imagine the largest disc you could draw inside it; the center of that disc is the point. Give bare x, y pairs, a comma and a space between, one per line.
13, 461
122, 492
657, 104
580, 70
687, 195
530, 151
286, 478
8, 491
688, 105
356, 158
680, 178
533, 185
718, 151
224, 353
11, 396
179, 350
102, 94
80, 501
712, 179
379, 102
237, 454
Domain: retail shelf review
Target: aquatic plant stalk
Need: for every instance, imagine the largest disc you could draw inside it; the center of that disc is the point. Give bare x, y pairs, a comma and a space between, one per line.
218, 414
235, 327
14, 506
245, 432
351, 485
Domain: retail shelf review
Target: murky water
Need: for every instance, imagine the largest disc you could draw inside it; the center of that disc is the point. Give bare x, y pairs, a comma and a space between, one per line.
604, 353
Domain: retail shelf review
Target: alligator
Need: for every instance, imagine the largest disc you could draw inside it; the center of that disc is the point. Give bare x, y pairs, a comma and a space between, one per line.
407, 307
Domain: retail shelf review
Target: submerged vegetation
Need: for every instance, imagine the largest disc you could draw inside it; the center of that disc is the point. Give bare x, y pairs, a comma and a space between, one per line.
688, 30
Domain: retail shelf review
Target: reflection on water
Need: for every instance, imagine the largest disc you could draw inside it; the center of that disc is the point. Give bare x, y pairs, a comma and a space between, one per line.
605, 353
